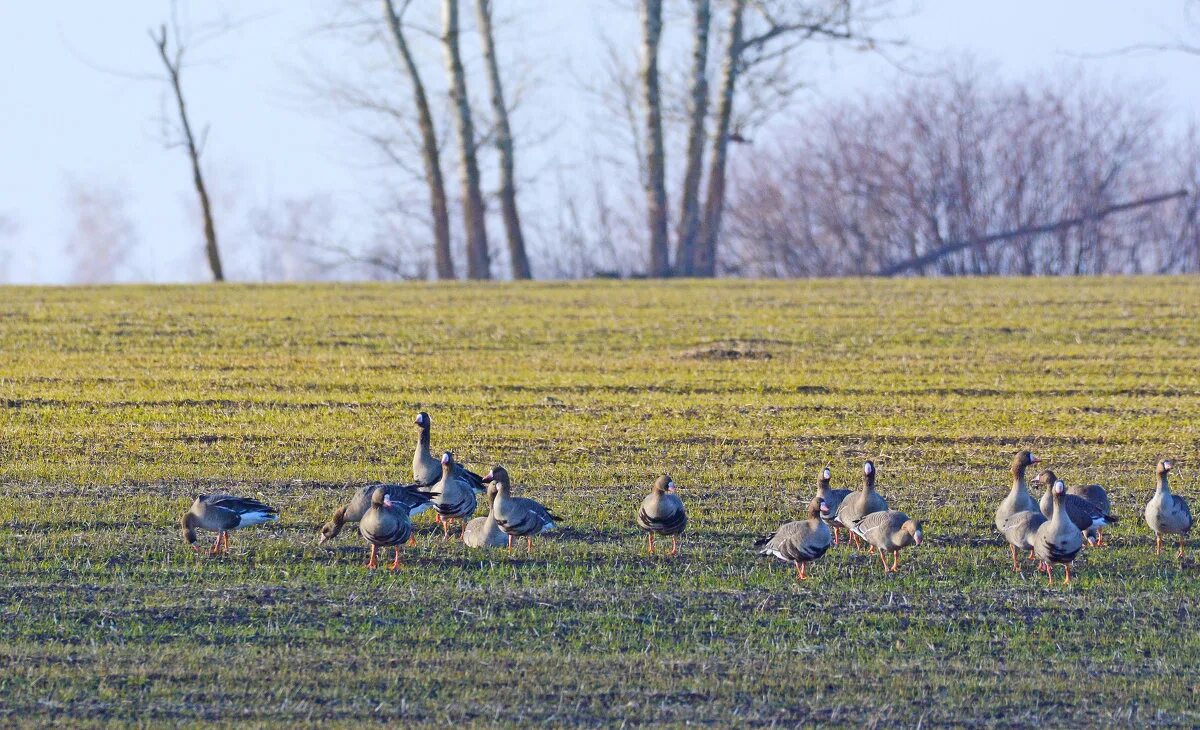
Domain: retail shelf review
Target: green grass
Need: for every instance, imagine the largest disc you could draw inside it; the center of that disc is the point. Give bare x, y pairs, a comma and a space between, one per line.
117, 405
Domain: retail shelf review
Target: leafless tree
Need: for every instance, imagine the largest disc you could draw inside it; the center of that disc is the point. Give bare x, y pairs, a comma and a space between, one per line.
102, 236
689, 203
656, 186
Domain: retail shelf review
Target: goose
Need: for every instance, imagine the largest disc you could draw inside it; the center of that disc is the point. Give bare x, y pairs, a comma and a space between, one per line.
408, 496
1059, 539
833, 499
1081, 512
484, 532
890, 531
516, 516
1098, 498
455, 498
1019, 499
860, 504
427, 469
662, 513
800, 542
1019, 530
385, 523
222, 513
1166, 512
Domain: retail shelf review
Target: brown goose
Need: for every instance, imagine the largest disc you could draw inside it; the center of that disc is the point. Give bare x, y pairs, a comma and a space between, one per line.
1018, 499
1166, 512
427, 468
1020, 530
516, 516
890, 531
833, 499
222, 513
800, 542
858, 505
1081, 512
454, 497
483, 532
662, 513
407, 496
1059, 539
385, 523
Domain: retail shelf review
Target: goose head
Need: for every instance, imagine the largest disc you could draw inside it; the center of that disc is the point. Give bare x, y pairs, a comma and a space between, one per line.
1022, 460
422, 420
664, 484
497, 481
187, 528
869, 474
915, 530
826, 474
818, 509
1164, 467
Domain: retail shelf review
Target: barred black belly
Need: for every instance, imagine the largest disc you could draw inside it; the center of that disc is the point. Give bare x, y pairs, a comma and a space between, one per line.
399, 536
804, 555
674, 525
464, 508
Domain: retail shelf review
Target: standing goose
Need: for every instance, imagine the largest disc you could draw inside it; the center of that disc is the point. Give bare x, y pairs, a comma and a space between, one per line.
833, 500
1020, 530
1095, 495
890, 531
1019, 499
222, 513
427, 469
1059, 539
516, 516
1166, 512
858, 505
484, 532
1081, 512
385, 523
454, 498
800, 542
407, 496
662, 513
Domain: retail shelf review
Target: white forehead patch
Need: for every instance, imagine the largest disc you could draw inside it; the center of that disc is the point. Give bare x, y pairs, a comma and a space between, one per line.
867, 468
825, 474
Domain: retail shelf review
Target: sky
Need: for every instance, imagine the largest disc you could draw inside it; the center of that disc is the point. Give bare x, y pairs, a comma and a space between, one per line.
80, 113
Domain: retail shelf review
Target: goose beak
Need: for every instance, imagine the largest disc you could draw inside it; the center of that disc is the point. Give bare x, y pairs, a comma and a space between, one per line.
321, 540
670, 486
1034, 460
489, 478
917, 538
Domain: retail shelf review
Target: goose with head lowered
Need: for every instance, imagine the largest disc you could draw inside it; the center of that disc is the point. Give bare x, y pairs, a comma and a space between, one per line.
1167, 513
800, 542
858, 505
1059, 539
662, 513
1082, 513
833, 500
427, 468
407, 496
222, 513
454, 498
385, 524
517, 516
890, 531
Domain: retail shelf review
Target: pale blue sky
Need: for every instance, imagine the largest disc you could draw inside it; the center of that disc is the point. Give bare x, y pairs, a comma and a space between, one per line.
65, 120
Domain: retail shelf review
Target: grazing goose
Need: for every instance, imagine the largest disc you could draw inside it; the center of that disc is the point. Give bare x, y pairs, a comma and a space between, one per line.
407, 496
455, 498
860, 504
833, 499
800, 542
385, 523
662, 513
1059, 539
1019, 530
890, 531
484, 532
1166, 512
1081, 512
427, 469
222, 513
1019, 499
517, 516
1098, 497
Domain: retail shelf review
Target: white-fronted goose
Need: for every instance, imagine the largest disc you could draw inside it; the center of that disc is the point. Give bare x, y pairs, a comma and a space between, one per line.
516, 516
455, 498
861, 503
662, 513
385, 523
800, 542
484, 532
1019, 530
1081, 512
1059, 539
1019, 499
890, 531
405, 496
222, 513
1095, 495
1166, 512
833, 500
427, 468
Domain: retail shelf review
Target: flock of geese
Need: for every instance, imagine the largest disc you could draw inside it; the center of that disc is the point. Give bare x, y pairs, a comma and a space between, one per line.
1053, 529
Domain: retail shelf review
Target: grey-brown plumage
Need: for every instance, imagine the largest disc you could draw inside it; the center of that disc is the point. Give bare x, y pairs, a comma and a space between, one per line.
1019, 499
1167, 513
662, 513
484, 532
222, 513
800, 542
890, 531
858, 505
1082, 513
455, 497
516, 516
385, 524
833, 500
1059, 539
406, 496
1019, 530
427, 468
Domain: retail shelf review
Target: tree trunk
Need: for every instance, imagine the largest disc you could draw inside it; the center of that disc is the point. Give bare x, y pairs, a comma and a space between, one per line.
656, 189
705, 260
478, 260
504, 144
430, 155
210, 230
689, 204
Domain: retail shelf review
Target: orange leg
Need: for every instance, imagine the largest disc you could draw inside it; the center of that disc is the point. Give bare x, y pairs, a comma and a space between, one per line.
1050, 574
445, 529
412, 540
675, 545
372, 564
884, 559
1180, 555
396, 560
1031, 555
854, 542
836, 542
1158, 543
1100, 538
895, 561
225, 538
216, 548
800, 566
529, 544
650, 540
1016, 565
1067, 567
510, 542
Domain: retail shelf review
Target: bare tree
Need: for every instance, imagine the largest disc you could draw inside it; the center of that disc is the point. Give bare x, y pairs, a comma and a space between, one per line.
172, 55
656, 187
689, 204
474, 213
102, 235
430, 152
504, 145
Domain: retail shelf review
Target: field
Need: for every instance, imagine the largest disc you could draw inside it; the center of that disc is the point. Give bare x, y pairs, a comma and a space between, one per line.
120, 404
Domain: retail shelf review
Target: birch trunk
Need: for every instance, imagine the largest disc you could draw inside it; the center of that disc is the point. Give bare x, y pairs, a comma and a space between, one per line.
656, 190
689, 204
